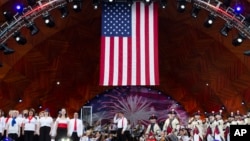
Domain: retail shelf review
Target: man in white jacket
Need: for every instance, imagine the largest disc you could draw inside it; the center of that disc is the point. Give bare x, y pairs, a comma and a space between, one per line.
75, 128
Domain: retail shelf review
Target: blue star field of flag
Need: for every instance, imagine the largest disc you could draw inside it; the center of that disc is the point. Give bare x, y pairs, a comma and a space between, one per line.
116, 20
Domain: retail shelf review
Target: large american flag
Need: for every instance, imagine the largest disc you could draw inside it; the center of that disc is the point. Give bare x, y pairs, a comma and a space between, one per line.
129, 44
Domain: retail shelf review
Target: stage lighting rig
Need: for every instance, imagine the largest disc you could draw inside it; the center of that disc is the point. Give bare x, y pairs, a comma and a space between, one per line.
32, 27
8, 16
77, 5
210, 20
181, 6
225, 29
195, 11
20, 9
63, 10
6, 50
96, 3
239, 39
19, 38
48, 20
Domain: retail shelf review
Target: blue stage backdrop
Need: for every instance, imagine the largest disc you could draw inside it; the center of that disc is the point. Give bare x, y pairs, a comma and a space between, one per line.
137, 103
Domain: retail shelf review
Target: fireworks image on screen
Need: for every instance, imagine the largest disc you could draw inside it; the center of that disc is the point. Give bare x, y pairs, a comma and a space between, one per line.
137, 103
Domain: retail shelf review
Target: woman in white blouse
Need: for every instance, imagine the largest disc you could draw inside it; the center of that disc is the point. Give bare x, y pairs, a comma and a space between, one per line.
13, 126
45, 126
30, 126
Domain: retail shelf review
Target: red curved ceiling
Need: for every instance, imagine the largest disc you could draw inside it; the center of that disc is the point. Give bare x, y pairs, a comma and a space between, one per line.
198, 67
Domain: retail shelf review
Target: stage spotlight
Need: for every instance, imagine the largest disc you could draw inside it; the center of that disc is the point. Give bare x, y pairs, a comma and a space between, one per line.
163, 3
32, 27
64, 10
8, 16
31, 2
96, 3
239, 39
209, 21
48, 20
225, 29
6, 49
20, 100
19, 9
19, 38
77, 5
195, 11
238, 9
181, 5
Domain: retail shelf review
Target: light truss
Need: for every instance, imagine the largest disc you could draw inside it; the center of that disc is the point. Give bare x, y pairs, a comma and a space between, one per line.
31, 13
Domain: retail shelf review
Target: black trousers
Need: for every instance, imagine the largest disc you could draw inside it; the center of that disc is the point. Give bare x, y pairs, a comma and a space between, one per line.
29, 136
120, 136
61, 133
74, 137
44, 134
13, 136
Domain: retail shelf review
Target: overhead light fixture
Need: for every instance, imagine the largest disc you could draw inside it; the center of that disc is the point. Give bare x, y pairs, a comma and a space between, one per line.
195, 11
19, 38
32, 27
19, 9
239, 39
163, 3
48, 20
238, 9
64, 10
40, 106
209, 21
225, 29
8, 16
6, 50
181, 5
96, 3
77, 5
20, 100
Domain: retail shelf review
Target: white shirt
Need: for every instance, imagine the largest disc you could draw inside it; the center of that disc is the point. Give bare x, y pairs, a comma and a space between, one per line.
45, 121
30, 124
121, 123
13, 129
2, 124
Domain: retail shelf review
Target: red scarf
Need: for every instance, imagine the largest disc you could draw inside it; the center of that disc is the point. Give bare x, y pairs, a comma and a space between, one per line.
7, 119
30, 118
